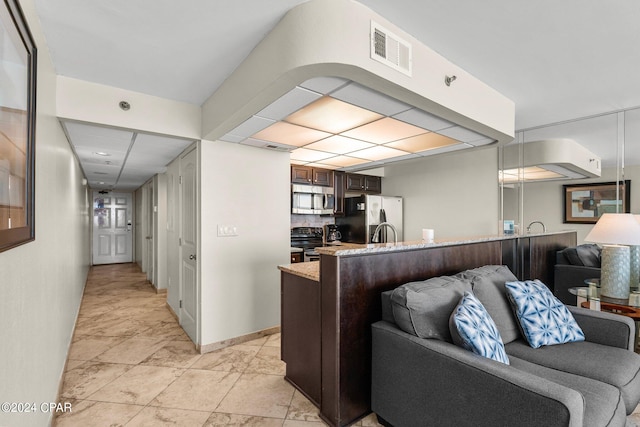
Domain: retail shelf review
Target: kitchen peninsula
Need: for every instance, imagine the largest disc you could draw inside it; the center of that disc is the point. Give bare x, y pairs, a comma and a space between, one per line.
326, 317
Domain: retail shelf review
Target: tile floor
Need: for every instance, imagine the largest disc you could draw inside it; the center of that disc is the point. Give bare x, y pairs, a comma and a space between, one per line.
131, 364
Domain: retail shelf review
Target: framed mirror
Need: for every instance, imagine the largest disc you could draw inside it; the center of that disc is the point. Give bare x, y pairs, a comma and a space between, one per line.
17, 127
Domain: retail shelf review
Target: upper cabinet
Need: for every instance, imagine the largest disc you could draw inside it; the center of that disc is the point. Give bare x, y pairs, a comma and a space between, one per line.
339, 189
363, 183
311, 176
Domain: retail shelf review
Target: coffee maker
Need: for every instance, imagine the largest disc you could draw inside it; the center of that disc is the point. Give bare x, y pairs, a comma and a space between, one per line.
331, 235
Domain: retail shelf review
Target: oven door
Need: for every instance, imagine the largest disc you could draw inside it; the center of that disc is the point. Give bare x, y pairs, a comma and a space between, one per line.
311, 255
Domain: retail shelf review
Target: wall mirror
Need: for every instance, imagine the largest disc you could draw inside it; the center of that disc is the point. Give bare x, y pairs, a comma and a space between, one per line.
611, 136
17, 127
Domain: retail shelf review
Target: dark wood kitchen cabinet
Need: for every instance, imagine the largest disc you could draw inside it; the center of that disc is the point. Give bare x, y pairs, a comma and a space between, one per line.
364, 183
312, 176
338, 193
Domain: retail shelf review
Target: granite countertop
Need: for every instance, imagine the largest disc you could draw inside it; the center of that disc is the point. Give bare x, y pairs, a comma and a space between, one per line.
347, 249
308, 270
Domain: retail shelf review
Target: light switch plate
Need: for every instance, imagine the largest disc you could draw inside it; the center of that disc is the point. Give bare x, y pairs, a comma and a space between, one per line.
227, 230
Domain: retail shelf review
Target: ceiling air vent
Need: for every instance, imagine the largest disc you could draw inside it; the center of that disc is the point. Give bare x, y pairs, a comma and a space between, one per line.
390, 49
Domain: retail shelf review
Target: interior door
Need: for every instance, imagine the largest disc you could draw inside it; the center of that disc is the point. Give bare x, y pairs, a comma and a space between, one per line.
189, 244
150, 234
112, 237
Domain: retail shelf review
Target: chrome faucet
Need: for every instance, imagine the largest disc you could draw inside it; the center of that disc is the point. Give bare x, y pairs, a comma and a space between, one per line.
544, 229
379, 227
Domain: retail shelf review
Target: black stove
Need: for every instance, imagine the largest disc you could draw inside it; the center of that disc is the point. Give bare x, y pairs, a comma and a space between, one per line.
307, 238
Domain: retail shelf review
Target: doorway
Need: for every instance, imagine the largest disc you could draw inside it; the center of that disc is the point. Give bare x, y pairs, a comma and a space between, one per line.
112, 236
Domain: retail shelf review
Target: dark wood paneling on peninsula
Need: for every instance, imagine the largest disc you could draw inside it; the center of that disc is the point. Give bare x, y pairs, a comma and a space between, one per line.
300, 331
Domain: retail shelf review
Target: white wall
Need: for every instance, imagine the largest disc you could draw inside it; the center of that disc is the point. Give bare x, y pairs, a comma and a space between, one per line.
95, 103
41, 283
248, 188
543, 201
455, 194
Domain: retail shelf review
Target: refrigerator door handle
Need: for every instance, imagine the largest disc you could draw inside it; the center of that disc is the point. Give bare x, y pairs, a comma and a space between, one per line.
383, 231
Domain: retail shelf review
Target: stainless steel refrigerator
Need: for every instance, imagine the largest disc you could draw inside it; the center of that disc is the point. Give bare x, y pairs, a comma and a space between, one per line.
364, 213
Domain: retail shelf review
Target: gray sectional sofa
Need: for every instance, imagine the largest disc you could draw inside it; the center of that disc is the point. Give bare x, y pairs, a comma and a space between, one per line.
418, 381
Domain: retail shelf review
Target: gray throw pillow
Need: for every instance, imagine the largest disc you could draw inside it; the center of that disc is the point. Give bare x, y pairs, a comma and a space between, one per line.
489, 287
589, 255
423, 308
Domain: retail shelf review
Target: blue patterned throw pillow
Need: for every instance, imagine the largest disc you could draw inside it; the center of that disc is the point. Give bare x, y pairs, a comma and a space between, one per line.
543, 318
473, 329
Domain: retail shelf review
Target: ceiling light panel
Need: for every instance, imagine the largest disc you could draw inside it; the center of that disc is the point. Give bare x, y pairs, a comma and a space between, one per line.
531, 173
324, 85
339, 145
331, 115
290, 134
344, 161
378, 152
322, 165
337, 117
423, 119
426, 141
370, 99
292, 101
232, 138
250, 126
446, 149
384, 130
304, 154
462, 134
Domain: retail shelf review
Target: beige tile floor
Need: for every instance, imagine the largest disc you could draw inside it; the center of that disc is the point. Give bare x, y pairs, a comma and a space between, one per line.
131, 364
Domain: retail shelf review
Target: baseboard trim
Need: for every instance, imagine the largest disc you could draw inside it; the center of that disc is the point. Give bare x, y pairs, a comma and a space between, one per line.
208, 348
161, 291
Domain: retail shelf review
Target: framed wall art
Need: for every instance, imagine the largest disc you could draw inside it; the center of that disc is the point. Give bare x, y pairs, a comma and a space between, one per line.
585, 203
17, 127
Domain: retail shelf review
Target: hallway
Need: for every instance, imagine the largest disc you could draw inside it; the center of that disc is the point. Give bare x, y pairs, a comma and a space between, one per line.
131, 364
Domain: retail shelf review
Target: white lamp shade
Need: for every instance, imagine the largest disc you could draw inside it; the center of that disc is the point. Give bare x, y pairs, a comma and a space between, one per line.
615, 229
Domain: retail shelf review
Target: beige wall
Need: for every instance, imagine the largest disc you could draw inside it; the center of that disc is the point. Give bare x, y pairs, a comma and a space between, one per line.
42, 282
455, 194
248, 188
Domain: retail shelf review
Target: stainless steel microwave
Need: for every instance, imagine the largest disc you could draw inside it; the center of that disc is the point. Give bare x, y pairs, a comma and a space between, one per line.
312, 199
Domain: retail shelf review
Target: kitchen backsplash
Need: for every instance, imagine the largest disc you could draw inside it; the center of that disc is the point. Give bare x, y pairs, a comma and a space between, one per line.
310, 220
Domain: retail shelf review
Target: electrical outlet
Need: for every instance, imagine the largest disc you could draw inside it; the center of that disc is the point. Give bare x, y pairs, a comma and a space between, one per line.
227, 230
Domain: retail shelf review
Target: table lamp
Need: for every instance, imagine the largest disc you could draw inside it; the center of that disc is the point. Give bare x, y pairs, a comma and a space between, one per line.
634, 278
614, 232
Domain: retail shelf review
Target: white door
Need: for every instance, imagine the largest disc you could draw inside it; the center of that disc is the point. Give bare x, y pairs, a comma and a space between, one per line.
112, 237
150, 238
189, 237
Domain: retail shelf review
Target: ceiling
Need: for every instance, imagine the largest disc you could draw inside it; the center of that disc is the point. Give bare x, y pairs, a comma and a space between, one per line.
557, 61
119, 158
